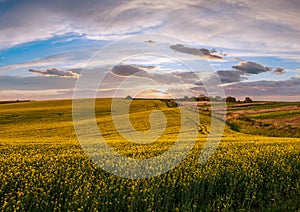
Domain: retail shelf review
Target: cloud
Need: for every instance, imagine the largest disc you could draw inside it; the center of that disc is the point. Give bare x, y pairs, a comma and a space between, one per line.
56, 72
248, 67
278, 71
60, 59
265, 88
187, 77
237, 58
148, 67
194, 51
225, 76
51, 60
36, 83
153, 93
92, 18
230, 76
55, 82
150, 42
297, 74
126, 70
230, 24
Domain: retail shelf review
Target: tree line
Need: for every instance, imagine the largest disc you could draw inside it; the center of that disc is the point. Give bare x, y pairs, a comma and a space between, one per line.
201, 98
217, 99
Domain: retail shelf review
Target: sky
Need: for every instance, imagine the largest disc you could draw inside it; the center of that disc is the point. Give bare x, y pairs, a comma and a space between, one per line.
47, 47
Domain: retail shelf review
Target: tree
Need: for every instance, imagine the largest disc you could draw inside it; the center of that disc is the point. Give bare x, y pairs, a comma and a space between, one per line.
217, 99
128, 97
186, 98
248, 100
230, 99
202, 98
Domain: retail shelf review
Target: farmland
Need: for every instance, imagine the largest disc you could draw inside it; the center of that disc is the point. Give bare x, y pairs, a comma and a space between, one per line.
267, 118
43, 166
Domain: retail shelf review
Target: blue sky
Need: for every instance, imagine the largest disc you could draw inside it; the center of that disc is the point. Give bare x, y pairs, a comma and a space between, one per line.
252, 45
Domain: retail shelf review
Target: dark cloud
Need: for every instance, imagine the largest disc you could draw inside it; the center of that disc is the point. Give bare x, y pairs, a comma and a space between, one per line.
230, 76
278, 70
194, 51
140, 71
127, 70
200, 83
56, 72
150, 42
248, 67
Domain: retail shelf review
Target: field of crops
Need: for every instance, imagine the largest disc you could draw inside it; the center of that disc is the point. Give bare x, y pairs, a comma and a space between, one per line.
43, 166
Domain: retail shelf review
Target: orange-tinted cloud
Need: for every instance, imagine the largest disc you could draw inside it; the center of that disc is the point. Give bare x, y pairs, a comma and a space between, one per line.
194, 51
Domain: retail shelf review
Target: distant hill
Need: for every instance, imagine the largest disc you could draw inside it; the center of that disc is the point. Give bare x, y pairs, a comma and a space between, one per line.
15, 101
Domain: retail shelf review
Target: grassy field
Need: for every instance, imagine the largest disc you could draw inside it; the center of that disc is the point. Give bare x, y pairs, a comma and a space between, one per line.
44, 168
275, 119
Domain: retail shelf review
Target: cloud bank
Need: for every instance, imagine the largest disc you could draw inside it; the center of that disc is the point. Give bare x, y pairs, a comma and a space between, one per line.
230, 24
56, 72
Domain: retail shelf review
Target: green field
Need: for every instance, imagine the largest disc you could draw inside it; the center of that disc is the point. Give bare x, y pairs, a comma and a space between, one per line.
275, 119
44, 168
